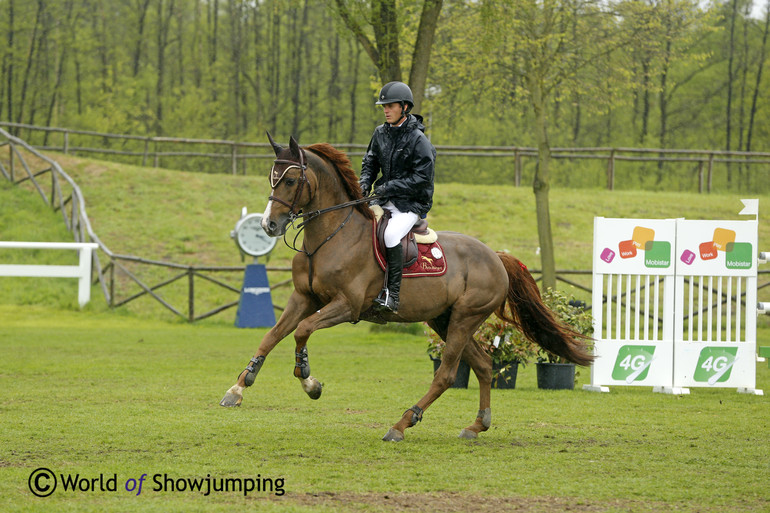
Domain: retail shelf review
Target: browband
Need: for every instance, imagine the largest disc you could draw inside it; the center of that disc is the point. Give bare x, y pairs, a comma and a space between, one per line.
276, 176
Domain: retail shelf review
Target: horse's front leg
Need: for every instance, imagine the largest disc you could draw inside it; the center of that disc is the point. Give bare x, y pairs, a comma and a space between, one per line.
336, 312
297, 308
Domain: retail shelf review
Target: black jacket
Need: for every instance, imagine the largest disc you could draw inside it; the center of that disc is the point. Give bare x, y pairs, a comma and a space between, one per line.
406, 159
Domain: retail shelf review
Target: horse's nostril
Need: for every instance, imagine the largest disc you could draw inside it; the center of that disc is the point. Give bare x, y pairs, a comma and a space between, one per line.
272, 225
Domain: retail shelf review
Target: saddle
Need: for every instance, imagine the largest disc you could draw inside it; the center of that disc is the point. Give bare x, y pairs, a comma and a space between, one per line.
420, 233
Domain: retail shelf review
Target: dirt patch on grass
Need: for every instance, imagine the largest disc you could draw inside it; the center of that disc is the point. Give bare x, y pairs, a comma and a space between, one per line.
447, 502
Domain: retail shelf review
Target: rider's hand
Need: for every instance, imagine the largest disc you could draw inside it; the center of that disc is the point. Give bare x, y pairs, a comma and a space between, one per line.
382, 190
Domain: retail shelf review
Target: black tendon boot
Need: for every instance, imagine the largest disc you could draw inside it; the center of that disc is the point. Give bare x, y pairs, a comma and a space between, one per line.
388, 298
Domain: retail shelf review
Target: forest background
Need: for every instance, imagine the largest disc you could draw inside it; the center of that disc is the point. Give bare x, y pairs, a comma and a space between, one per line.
653, 73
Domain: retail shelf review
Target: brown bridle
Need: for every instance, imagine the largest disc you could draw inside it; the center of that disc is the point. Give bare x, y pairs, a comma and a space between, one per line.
277, 176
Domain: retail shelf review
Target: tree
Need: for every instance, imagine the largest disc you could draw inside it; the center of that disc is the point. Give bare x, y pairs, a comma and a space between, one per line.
760, 67
544, 44
385, 19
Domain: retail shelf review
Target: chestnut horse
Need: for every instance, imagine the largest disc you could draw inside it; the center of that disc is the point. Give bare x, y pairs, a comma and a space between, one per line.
336, 279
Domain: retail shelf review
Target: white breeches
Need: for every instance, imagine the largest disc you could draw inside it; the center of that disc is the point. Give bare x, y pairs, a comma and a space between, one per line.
399, 225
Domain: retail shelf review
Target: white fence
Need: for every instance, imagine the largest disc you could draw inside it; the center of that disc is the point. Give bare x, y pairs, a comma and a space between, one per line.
82, 271
681, 303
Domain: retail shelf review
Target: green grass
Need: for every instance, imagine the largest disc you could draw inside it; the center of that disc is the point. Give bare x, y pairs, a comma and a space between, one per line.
92, 393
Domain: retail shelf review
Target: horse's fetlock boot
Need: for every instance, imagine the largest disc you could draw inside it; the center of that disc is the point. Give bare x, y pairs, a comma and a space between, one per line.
486, 417
416, 415
252, 370
302, 365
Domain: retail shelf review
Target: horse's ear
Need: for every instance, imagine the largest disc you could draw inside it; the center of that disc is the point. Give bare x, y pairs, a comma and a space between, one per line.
294, 147
276, 147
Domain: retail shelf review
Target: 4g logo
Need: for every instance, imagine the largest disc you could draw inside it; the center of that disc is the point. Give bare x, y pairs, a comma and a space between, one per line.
715, 364
633, 363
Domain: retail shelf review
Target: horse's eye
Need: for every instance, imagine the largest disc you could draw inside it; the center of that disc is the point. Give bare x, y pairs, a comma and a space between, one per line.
290, 182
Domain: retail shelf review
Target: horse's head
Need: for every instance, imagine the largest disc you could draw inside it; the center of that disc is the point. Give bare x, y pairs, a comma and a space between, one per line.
290, 187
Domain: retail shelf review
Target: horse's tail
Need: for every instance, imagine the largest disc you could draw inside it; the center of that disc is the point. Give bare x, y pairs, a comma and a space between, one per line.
534, 319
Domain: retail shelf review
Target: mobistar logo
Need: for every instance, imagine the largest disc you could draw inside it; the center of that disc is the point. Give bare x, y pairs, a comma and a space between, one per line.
657, 254
715, 364
633, 363
739, 256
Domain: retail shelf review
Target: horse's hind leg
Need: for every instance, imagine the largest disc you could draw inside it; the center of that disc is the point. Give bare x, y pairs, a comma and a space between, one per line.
459, 332
481, 364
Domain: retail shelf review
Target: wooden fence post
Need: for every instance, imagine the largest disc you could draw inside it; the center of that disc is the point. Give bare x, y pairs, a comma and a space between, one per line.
66, 142
13, 161
146, 151
700, 176
711, 167
191, 294
234, 158
112, 283
516, 168
611, 171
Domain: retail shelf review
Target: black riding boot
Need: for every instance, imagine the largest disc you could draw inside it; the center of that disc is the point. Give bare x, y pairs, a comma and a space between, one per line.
388, 298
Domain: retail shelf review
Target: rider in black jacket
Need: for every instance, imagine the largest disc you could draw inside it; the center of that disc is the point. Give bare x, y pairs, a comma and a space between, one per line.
401, 152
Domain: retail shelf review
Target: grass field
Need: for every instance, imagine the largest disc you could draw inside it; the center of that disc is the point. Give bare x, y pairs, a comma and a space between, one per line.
99, 395
120, 394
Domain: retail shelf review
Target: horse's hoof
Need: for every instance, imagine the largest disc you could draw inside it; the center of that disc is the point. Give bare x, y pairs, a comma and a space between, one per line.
312, 387
468, 434
232, 398
393, 435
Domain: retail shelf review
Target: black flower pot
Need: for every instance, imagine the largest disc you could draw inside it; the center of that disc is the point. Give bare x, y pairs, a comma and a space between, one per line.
463, 373
504, 378
556, 376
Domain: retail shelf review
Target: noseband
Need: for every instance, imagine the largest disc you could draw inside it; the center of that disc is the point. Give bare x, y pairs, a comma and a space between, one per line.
276, 176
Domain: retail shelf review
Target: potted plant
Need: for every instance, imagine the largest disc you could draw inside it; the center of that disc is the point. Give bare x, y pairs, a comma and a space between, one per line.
554, 372
508, 349
436, 350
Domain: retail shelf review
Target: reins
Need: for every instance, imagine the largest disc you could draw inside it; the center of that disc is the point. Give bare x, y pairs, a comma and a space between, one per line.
275, 179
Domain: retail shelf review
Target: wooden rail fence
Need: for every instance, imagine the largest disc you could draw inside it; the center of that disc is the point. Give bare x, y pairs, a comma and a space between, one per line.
65, 196
149, 149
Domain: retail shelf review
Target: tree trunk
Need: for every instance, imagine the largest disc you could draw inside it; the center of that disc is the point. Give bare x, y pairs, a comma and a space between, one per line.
541, 186
730, 76
663, 106
235, 46
333, 91
386, 34
8, 71
645, 99
354, 65
142, 7
431, 9
59, 71
384, 51
28, 69
760, 66
164, 21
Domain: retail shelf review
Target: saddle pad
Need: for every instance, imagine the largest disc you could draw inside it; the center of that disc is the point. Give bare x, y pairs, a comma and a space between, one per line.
430, 259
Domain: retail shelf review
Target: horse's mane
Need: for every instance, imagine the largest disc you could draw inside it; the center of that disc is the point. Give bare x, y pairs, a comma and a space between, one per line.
344, 169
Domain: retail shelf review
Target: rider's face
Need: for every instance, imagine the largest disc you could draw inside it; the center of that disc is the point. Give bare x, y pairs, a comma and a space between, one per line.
392, 112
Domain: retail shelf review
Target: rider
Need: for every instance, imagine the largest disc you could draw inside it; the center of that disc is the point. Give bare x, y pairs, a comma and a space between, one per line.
401, 151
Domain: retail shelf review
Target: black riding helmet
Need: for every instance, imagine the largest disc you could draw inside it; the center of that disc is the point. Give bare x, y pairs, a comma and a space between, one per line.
396, 92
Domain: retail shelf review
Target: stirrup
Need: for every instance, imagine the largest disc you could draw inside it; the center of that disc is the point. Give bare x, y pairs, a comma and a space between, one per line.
385, 301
